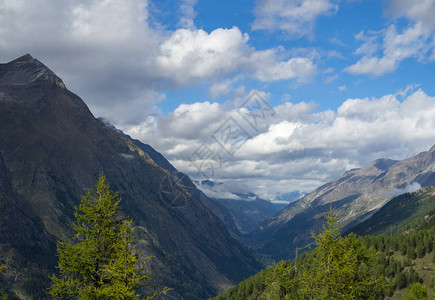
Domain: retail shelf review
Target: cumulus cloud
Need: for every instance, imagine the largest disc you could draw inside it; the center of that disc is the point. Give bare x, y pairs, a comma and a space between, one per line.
418, 11
269, 69
192, 55
295, 18
107, 52
221, 88
298, 148
101, 49
189, 56
384, 50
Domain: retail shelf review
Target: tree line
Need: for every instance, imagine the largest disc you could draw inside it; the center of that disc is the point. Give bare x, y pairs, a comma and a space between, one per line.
347, 267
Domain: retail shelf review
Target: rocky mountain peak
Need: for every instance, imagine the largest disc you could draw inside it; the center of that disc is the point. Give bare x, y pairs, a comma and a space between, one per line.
52, 149
383, 164
27, 70
20, 60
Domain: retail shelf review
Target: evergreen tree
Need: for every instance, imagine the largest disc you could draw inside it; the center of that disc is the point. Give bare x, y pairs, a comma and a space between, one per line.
402, 280
101, 263
2, 290
281, 282
416, 292
410, 253
420, 250
340, 268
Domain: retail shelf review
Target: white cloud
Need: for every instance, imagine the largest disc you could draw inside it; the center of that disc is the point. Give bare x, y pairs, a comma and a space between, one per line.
227, 88
295, 18
330, 79
299, 148
413, 41
409, 188
188, 14
100, 49
422, 11
373, 65
106, 52
193, 55
217, 191
396, 47
220, 88
337, 42
127, 156
432, 57
268, 69
342, 88
410, 88
226, 190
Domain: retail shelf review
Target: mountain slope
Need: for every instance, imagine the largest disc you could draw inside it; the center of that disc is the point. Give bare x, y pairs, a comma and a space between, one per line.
216, 208
52, 150
354, 196
245, 208
248, 214
397, 213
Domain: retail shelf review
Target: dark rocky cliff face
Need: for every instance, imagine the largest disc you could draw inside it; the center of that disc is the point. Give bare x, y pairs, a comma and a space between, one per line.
355, 196
52, 150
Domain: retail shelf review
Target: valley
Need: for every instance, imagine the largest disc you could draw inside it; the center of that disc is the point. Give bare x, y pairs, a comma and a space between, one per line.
205, 238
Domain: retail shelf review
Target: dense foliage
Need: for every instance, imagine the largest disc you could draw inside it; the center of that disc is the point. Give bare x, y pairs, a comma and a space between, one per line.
101, 263
338, 268
349, 267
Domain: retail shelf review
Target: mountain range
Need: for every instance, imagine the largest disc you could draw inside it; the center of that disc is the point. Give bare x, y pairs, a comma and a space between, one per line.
247, 209
401, 234
354, 196
52, 150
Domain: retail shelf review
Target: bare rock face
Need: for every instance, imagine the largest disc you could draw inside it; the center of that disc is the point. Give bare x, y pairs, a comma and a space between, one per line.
52, 150
355, 196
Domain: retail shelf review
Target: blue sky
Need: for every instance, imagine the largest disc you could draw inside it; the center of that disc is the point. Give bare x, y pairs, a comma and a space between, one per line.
348, 81
334, 32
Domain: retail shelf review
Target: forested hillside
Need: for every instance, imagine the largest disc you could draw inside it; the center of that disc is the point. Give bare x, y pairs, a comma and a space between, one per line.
356, 267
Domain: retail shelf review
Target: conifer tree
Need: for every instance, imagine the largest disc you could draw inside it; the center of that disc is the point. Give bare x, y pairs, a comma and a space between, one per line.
2, 290
416, 292
101, 263
340, 268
